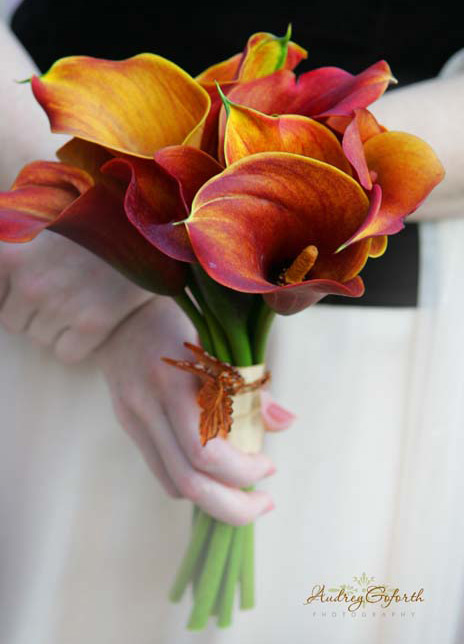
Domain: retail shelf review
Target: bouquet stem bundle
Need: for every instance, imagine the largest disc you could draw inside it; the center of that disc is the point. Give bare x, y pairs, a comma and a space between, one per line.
220, 557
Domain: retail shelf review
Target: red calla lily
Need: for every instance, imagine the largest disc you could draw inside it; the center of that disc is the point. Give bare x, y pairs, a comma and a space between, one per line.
271, 223
160, 193
73, 202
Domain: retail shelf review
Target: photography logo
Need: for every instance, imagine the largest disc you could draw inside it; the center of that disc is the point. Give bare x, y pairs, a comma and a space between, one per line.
364, 596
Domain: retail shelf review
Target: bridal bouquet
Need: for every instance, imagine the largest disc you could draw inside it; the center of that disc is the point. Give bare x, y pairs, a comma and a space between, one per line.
243, 193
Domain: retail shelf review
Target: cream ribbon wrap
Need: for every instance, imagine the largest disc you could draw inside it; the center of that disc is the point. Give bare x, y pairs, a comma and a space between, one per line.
247, 431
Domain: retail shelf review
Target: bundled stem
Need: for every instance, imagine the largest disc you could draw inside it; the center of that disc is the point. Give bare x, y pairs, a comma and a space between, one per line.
263, 324
197, 320
220, 556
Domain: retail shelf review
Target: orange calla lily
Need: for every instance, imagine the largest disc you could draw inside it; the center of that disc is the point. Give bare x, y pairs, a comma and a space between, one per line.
263, 55
135, 106
401, 167
249, 132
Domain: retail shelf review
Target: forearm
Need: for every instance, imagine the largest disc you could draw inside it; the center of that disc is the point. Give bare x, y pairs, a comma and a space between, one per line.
24, 129
432, 110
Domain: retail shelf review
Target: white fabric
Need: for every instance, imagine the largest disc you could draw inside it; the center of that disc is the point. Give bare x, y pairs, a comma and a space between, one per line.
370, 479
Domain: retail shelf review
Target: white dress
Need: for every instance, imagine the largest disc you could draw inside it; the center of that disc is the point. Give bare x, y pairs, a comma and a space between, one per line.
370, 480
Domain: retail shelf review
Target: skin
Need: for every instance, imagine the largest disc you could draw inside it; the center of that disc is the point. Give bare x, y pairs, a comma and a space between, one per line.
156, 406
432, 110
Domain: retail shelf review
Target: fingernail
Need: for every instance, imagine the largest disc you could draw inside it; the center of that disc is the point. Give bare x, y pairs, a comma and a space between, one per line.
270, 471
270, 506
280, 414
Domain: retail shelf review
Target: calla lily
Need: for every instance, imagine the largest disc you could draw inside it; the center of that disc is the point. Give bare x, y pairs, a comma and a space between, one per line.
320, 93
323, 92
401, 168
160, 194
134, 106
249, 132
263, 55
271, 223
76, 203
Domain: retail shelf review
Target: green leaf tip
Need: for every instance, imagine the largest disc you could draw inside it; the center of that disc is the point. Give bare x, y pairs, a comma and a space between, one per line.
182, 221
342, 247
288, 34
283, 41
23, 82
224, 99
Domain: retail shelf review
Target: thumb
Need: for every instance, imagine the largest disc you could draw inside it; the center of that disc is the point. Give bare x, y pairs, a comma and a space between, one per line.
275, 417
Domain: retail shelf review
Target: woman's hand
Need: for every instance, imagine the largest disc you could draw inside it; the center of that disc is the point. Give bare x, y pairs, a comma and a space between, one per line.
156, 404
60, 295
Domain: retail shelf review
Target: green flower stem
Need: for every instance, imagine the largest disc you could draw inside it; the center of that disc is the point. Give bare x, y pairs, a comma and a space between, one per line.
197, 541
220, 347
197, 320
263, 324
247, 567
211, 575
217, 603
239, 344
195, 511
247, 571
201, 558
231, 576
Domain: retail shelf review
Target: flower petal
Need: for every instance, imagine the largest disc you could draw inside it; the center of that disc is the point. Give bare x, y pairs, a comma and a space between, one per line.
98, 222
190, 166
85, 155
323, 92
254, 218
263, 54
249, 131
362, 127
266, 54
407, 170
42, 190
135, 106
330, 91
291, 299
153, 201
65, 200
224, 71
378, 246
